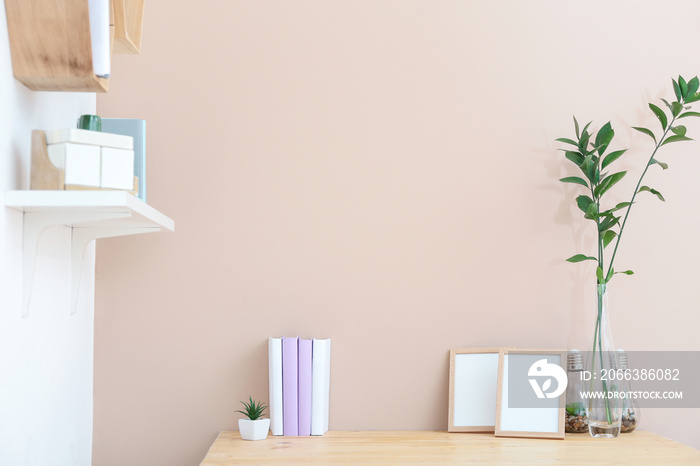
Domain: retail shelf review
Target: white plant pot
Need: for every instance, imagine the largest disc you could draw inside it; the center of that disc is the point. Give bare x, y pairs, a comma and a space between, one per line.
254, 430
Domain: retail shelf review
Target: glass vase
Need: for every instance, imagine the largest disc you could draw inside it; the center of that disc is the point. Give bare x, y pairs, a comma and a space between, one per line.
604, 404
575, 421
630, 408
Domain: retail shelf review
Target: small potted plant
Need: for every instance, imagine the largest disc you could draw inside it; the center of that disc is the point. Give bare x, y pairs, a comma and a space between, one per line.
253, 428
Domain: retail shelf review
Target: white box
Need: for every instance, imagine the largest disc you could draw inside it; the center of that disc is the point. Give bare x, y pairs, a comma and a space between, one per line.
83, 136
117, 169
80, 162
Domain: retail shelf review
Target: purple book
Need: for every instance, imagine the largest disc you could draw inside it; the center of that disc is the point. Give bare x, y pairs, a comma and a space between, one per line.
290, 386
305, 386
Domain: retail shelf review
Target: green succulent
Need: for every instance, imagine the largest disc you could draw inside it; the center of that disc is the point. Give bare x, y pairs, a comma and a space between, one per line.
576, 408
252, 409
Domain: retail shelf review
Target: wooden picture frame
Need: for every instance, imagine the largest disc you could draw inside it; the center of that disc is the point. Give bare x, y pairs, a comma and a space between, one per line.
473, 389
543, 413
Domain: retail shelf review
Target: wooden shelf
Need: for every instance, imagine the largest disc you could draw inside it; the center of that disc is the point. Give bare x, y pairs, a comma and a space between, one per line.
51, 47
128, 24
91, 215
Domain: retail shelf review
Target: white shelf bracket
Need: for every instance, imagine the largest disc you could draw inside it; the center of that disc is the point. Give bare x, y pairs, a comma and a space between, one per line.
90, 214
81, 237
34, 224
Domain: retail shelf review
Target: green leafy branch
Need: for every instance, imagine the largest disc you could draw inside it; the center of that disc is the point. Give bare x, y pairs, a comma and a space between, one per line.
589, 152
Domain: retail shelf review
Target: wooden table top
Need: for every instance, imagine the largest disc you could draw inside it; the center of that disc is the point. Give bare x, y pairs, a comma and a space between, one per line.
432, 447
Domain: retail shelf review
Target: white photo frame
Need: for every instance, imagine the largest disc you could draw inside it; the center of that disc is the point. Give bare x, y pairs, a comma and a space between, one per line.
545, 417
473, 389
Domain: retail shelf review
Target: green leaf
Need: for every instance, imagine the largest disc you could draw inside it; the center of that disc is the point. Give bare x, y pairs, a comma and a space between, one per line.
692, 98
626, 272
585, 129
580, 258
689, 114
583, 202
575, 157
693, 86
645, 131
607, 183
608, 236
608, 223
583, 142
589, 168
675, 139
621, 205
599, 275
601, 186
659, 114
603, 138
611, 272
576, 127
661, 164
677, 90
594, 171
567, 141
574, 179
611, 157
684, 87
679, 130
653, 191
670, 107
676, 108
591, 211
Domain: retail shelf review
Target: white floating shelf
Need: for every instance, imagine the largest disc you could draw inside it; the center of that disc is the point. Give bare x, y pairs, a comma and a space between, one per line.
90, 202
91, 214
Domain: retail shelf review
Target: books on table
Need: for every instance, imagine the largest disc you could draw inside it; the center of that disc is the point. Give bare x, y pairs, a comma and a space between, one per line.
299, 383
320, 386
274, 349
305, 386
290, 385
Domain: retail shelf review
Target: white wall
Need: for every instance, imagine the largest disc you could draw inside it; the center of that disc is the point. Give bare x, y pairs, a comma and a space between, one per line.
46, 358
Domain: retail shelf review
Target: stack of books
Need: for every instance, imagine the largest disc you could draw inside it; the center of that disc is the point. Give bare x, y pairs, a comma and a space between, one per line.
300, 370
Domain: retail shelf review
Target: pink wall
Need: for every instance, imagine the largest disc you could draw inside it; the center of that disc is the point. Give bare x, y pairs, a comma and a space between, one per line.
384, 174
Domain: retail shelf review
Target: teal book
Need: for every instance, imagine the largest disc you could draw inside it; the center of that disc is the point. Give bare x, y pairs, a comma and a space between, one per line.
136, 129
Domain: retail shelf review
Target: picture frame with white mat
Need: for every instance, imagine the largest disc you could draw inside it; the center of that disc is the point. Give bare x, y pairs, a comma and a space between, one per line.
473, 389
528, 403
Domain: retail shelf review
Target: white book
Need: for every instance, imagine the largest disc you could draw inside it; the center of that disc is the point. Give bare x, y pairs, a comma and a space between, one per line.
320, 386
274, 349
84, 136
99, 36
